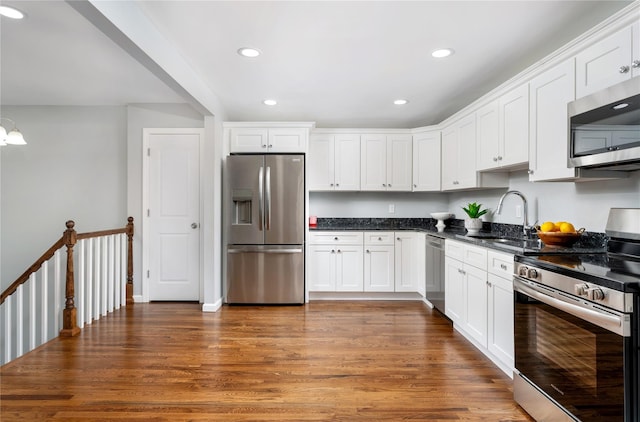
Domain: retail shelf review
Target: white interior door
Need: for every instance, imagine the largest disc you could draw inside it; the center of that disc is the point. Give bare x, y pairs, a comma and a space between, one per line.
173, 215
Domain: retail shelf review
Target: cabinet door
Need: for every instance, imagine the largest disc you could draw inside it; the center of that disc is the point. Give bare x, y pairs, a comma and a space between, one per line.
379, 268
320, 165
454, 290
467, 177
500, 319
449, 167
548, 152
475, 303
347, 162
426, 162
514, 127
248, 140
599, 66
349, 265
399, 162
322, 268
373, 173
287, 140
488, 136
410, 265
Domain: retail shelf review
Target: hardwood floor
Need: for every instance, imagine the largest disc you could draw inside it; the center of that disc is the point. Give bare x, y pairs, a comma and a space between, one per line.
326, 361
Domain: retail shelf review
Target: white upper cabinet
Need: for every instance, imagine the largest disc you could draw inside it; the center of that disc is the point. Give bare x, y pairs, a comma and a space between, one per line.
426, 161
459, 159
514, 128
503, 131
488, 141
612, 60
386, 162
247, 137
334, 162
550, 93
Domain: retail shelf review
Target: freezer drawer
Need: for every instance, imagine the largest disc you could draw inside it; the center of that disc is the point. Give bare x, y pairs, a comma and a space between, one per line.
265, 274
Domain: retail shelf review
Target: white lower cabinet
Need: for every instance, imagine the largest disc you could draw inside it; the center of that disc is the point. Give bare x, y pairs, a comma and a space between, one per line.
335, 262
479, 299
366, 262
410, 258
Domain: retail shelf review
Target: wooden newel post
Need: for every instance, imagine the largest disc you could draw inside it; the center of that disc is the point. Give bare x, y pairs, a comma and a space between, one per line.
69, 319
130, 261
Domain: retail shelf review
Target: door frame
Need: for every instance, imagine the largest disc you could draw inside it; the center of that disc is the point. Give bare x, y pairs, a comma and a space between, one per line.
146, 134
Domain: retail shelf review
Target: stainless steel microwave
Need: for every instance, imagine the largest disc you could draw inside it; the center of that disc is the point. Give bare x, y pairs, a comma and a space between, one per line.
604, 128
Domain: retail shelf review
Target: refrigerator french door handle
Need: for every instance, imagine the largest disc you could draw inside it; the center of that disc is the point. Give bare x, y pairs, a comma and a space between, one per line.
260, 197
267, 202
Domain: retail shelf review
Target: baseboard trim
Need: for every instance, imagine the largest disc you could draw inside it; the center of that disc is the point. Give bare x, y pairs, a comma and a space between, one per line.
138, 299
212, 307
364, 296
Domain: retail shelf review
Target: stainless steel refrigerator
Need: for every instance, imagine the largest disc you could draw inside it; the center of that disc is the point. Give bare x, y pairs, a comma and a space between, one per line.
264, 202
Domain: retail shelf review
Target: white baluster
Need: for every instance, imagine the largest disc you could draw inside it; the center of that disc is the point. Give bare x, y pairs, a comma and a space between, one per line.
32, 311
19, 321
80, 281
97, 284
89, 308
104, 260
116, 266
44, 316
7, 329
110, 276
57, 276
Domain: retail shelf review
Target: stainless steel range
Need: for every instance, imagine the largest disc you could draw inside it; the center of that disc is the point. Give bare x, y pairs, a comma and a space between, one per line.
576, 330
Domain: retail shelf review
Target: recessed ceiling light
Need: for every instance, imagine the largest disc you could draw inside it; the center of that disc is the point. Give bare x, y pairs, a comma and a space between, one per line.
620, 106
10, 12
442, 52
248, 52
269, 102
400, 102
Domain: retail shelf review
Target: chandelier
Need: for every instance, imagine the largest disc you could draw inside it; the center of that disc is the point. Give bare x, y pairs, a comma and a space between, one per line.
14, 137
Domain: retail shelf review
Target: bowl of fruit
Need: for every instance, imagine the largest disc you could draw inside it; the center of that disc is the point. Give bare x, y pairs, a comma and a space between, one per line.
561, 233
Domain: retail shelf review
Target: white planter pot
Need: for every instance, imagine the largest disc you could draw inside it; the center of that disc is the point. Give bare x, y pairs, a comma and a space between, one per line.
473, 225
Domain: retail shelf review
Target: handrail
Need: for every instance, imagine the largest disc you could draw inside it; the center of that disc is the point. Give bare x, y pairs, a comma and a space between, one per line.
32, 269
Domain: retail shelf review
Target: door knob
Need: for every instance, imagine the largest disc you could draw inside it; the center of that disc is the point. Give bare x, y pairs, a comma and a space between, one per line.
194, 225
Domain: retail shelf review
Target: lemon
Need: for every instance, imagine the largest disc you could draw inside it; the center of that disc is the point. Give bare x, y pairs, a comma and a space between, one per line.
567, 228
547, 226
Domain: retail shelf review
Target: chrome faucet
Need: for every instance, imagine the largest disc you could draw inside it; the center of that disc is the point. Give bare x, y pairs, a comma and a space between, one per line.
525, 222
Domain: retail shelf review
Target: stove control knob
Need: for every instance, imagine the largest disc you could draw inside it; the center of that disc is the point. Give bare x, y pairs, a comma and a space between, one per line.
522, 271
595, 293
532, 273
581, 289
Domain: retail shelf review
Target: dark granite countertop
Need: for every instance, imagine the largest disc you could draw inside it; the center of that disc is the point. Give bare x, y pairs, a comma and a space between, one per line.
502, 237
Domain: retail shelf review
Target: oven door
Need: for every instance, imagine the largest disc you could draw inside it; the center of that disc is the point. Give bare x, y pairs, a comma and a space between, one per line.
563, 350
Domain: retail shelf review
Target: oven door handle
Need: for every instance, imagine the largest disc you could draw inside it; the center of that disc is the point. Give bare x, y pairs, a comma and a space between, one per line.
616, 323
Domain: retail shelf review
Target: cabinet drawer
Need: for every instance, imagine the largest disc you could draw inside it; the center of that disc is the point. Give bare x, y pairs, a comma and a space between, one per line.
454, 249
336, 238
378, 238
476, 256
500, 264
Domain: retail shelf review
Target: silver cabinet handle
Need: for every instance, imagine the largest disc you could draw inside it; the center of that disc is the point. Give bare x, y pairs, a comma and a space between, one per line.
499, 158
270, 146
330, 184
635, 64
380, 238
337, 184
264, 145
503, 266
335, 238
333, 251
339, 251
530, 171
495, 159
389, 185
368, 251
194, 225
384, 186
623, 69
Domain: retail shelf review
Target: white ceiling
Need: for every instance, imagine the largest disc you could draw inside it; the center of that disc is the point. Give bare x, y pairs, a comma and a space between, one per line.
340, 64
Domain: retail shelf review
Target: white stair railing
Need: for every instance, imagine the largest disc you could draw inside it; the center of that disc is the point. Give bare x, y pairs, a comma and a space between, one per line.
33, 309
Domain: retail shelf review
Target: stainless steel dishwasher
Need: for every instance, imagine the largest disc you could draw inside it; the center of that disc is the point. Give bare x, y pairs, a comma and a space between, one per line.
435, 272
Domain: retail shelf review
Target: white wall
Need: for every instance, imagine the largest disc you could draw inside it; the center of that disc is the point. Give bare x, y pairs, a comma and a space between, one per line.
141, 116
586, 204
73, 168
376, 204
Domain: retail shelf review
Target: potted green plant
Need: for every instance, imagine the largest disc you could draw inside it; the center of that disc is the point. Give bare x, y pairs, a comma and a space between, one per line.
474, 211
